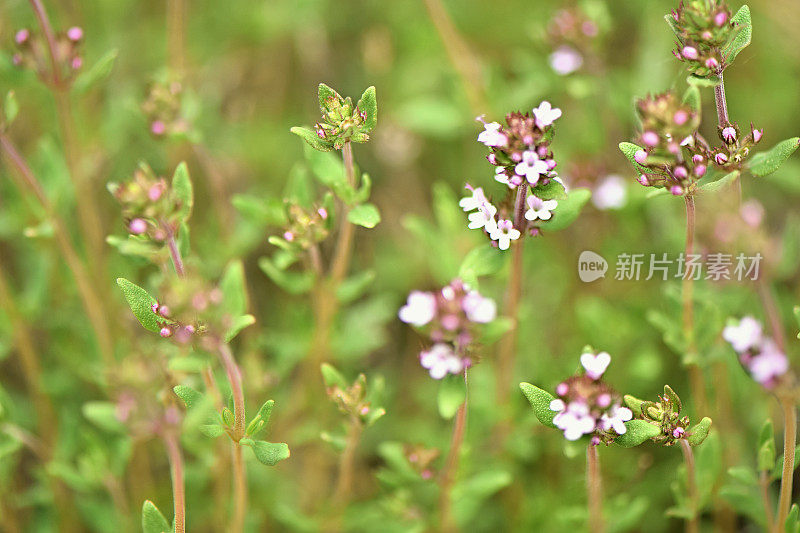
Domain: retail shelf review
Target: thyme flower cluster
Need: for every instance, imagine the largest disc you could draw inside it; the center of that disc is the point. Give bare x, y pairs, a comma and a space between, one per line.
32, 53
705, 29
759, 354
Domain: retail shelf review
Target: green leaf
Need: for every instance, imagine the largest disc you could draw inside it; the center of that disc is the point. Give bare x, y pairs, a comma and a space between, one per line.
568, 210
326, 93
269, 453
764, 163
189, 396
721, 183
554, 190
629, 151
792, 524
10, 108
152, 519
97, 73
702, 81
767, 452
355, 286
103, 415
637, 432
332, 377
312, 139
141, 304
743, 37
261, 419
182, 191
366, 215
634, 404
699, 432
672, 25
452, 394
692, 97
211, 431
291, 282
237, 325
369, 105
265, 211
234, 291
481, 261
540, 402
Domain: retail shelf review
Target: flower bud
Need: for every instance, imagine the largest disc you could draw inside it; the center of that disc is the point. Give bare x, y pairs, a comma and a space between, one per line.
323, 213
720, 19
163, 311
22, 36
158, 128
729, 134
681, 173
650, 138
77, 63
680, 117
75, 34
676, 190
721, 158
643, 180
700, 171
154, 308
689, 52
165, 332
712, 63
678, 432
289, 236
137, 226
757, 134
640, 157
562, 389
697, 159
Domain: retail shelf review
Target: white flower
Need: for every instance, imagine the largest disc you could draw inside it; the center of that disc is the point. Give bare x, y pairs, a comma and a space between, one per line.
441, 360
492, 136
420, 309
539, 208
574, 419
616, 420
473, 202
545, 114
611, 193
503, 232
743, 336
501, 176
565, 60
531, 167
482, 216
595, 365
771, 363
478, 308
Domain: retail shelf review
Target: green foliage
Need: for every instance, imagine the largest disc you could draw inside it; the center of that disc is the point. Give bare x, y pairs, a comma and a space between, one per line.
188, 395
182, 189
369, 105
10, 108
743, 37
629, 151
636, 433
699, 432
141, 304
540, 402
765, 163
568, 210
481, 261
366, 215
721, 183
268, 453
452, 394
96, 73
152, 519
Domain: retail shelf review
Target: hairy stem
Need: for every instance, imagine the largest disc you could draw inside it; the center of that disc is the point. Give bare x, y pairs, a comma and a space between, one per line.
174, 251
176, 469
234, 374
594, 490
239, 490
692, 524
764, 482
789, 443
347, 463
92, 303
722, 103
451, 466
695, 373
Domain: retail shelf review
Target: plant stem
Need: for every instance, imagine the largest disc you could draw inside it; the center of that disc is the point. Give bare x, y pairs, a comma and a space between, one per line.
763, 480
234, 374
178, 491
92, 303
341, 258
722, 103
594, 490
695, 373
176, 14
771, 309
50, 38
789, 443
692, 525
451, 466
174, 251
347, 464
239, 490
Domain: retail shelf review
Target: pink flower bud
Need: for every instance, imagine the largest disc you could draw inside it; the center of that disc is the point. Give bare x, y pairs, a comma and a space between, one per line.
426, 474
491, 158
643, 180
450, 322
729, 134
720, 18
154, 308
604, 400
190, 329
22, 36
650, 138
697, 159
595, 440
673, 148
77, 63
289, 236
165, 332
516, 157
137, 226
706, 35
541, 151
155, 192
551, 164
158, 128
562, 389
721, 158
17, 60
528, 139
689, 52
215, 296
681, 117
75, 34
323, 213
676, 190
364, 411
159, 235
757, 134
678, 432
640, 157
700, 171
752, 213
163, 311
681, 173
712, 63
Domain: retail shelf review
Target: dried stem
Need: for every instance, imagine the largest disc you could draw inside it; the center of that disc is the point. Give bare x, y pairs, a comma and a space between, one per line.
695, 373
764, 482
692, 524
176, 469
239, 490
789, 443
92, 303
347, 464
594, 490
448, 475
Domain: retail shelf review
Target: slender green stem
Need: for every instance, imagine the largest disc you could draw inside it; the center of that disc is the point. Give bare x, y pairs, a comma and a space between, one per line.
692, 524
594, 490
764, 482
347, 463
687, 293
178, 490
448, 475
234, 374
789, 443
341, 258
174, 251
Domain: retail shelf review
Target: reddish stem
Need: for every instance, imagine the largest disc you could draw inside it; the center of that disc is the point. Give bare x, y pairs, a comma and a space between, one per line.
178, 491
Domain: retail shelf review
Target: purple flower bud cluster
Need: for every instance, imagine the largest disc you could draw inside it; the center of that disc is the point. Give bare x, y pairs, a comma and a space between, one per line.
148, 206
34, 52
342, 121
522, 157
451, 317
760, 356
703, 29
306, 226
735, 147
163, 109
571, 33
587, 406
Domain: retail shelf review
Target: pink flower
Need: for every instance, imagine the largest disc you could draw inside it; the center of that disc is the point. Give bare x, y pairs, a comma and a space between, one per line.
492, 136
137, 226
441, 360
610, 193
539, 209
545, 114
503, 232
729, 134
478, 308
158, 127
75, 34
769, 365
680, 117
475, 201
744, 335
531, 167
420, 309
720, 158
650, 138
640, 157
573, 419
757, 134
22, 36
689, 52
595, 365
565, 60
616, 420
483, 216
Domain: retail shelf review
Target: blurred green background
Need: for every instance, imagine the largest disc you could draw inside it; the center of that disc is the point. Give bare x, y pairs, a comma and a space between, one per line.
251, 71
